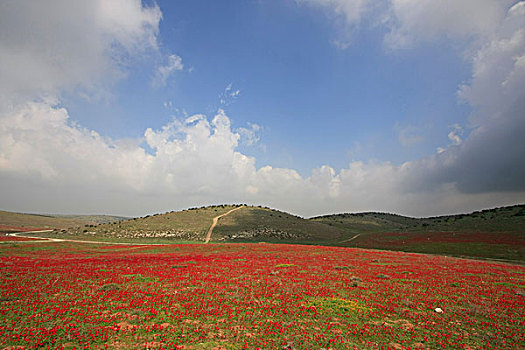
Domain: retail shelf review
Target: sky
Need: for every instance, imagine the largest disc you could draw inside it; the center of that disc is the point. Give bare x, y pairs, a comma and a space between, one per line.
131, 107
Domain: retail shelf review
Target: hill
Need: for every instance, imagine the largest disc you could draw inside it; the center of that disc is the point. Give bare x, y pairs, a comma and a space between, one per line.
270, 225
493, 233
92, 219
508, 219
186, 225
14, 222
246, 225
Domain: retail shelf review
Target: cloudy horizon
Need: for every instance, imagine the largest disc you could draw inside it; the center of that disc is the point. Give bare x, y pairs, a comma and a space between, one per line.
309, 106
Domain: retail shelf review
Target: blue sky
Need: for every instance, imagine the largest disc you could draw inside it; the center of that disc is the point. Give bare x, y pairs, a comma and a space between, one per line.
316, 103
310, 106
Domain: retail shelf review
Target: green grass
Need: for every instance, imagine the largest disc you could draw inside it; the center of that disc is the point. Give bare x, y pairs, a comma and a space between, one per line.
477, 250
507, 284
407, 280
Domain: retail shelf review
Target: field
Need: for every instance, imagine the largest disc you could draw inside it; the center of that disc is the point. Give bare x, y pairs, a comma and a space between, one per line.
63, 295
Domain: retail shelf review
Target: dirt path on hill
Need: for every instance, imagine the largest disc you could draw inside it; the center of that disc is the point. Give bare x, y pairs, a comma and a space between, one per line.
46, 239
215, 221
351, 239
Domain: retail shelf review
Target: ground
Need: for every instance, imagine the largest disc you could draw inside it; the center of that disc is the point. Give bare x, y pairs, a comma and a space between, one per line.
233, 296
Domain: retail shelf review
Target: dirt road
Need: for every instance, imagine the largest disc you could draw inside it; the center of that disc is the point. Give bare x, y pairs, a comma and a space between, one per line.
45, 239
351, 239
215, 221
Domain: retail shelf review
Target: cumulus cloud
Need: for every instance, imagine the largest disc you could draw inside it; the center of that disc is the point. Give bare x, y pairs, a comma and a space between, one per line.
48, 46
413, 21
454, 136
250, 135
409, 22
58, 165
491, 157
192, 161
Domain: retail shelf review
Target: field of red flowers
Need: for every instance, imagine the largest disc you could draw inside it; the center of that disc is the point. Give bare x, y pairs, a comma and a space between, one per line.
254, 296
492, 245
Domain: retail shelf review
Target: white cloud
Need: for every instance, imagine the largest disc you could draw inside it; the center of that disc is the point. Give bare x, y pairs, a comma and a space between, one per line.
492, 34
498, 73
250, 134
48, 46
413, 21
455, 135
491, 157
163, 73
195, 161
410, 22
229, 95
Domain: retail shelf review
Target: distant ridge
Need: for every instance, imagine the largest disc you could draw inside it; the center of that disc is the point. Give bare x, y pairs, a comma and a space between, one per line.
509, 218
47, 221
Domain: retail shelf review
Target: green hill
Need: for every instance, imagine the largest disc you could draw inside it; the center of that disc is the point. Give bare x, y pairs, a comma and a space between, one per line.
248, 224
186, 225
494, 233
254, 224
508, 219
